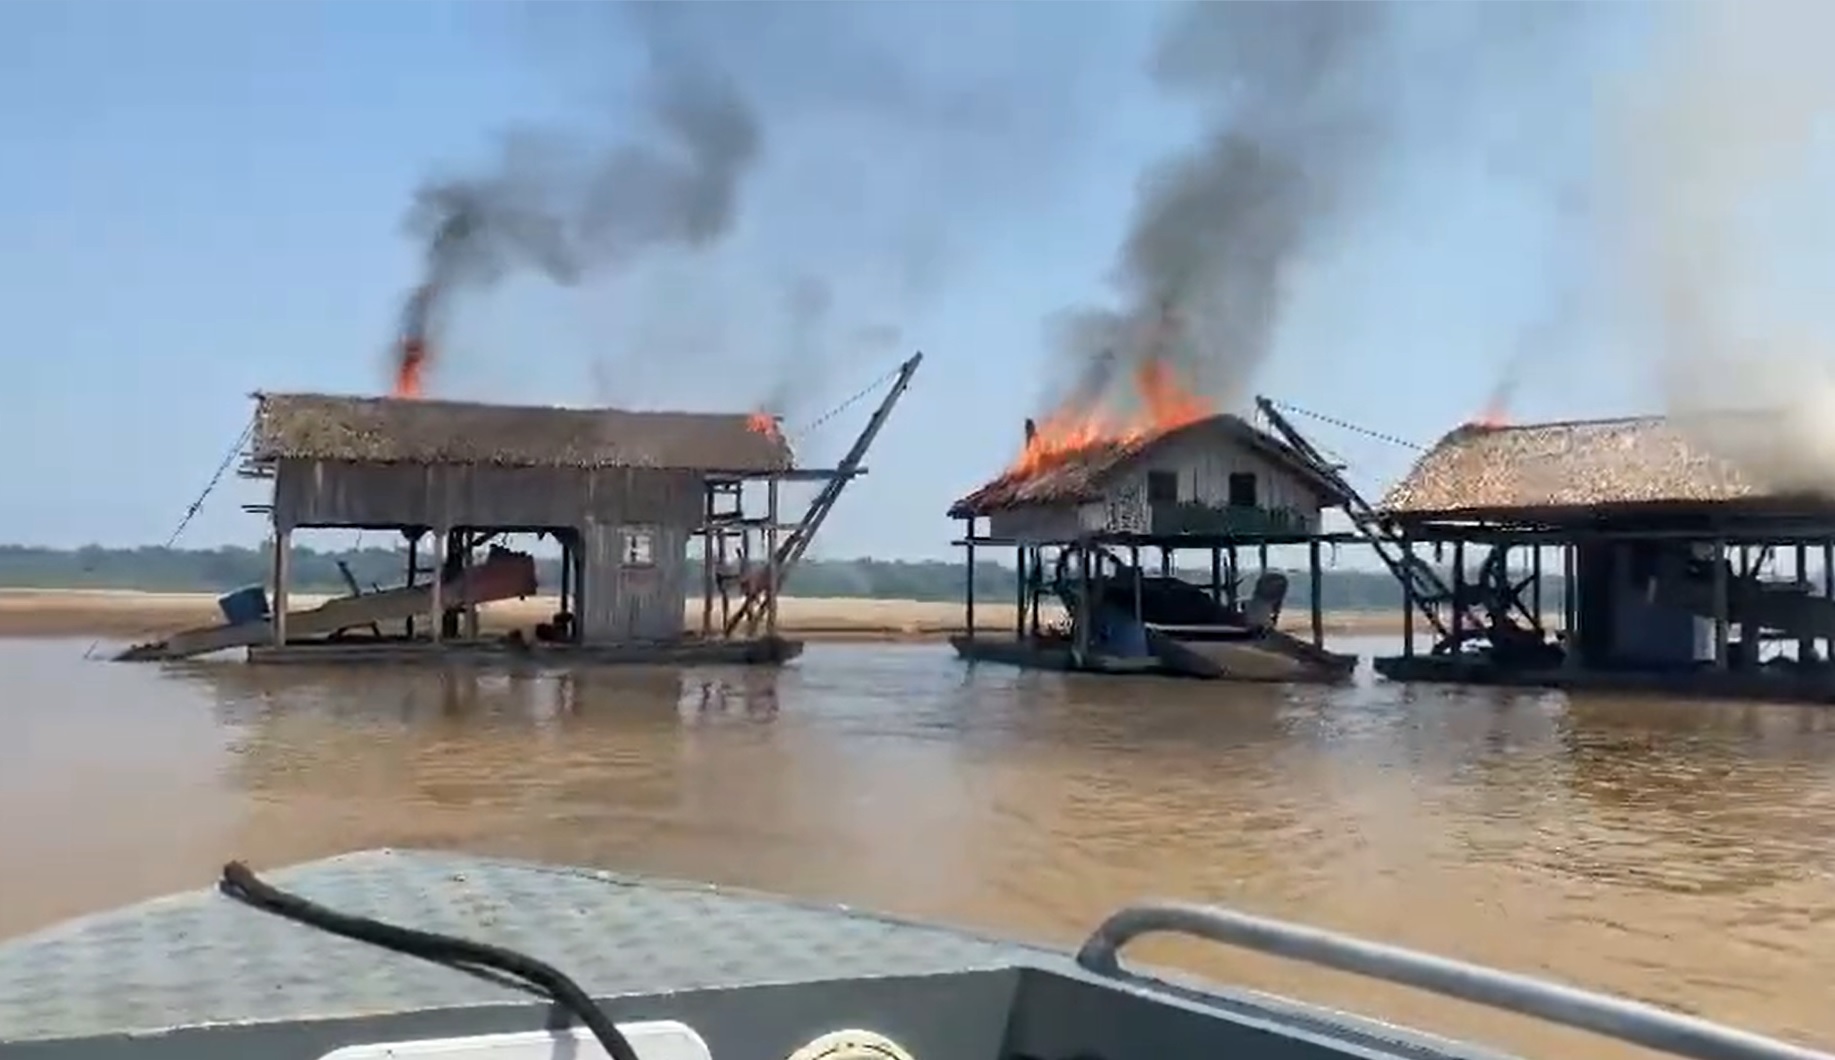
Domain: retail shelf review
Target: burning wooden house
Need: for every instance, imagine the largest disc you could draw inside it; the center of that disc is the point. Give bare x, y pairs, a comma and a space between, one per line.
1682, 573
624, 494
1078, 517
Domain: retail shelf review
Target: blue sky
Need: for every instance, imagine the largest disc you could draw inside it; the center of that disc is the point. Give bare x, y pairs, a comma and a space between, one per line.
205, 199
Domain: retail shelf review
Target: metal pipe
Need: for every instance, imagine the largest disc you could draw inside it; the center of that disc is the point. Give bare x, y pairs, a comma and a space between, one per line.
1626, 1021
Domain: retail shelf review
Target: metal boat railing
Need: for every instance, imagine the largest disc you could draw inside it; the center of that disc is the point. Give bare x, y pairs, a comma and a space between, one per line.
1627, 1021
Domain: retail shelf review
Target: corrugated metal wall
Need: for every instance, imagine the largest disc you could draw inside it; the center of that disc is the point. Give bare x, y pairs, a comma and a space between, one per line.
623, 596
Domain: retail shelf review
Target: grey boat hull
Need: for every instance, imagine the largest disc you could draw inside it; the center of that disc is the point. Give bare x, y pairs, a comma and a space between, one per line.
198, 977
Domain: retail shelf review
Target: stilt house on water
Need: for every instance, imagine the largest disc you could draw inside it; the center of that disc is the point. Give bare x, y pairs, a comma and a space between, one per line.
1077, 522
1682, 572
624, 493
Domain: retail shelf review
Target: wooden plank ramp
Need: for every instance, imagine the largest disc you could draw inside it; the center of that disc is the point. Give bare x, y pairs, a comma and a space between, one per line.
491, 581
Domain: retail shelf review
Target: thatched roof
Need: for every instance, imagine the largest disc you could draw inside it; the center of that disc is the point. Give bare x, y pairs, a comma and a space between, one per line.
390, 430
1577, 465
1075, 478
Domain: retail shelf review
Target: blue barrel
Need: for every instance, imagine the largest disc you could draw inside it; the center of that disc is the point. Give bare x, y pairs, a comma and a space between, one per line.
1119, 634
244, 605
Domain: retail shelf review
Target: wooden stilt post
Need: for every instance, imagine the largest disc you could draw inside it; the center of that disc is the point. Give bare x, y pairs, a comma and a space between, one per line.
1099, 592
1081, 641
565, 589
726, 599
1019, 592
1535, 583
1828, 590
1217, 575
1035, 586
414, 562
436, 609
1806, 644
466, 538
1570, 599
745, 575
1458, 626
707, 559
771, 515
968, 579
579, 587
1316, 591
1721, 617
1140, 614
1408, 600
283, 575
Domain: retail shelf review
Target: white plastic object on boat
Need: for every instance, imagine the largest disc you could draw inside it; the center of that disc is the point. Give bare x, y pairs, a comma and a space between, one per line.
653, 1040
851, 1045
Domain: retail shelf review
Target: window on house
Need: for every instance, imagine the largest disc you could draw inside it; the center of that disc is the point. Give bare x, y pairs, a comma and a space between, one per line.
638, 547
1242, 490
1162, 487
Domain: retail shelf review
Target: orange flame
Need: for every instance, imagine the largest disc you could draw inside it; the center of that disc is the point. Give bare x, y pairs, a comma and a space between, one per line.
1494, 413
1165, 405
409, 368
763, 423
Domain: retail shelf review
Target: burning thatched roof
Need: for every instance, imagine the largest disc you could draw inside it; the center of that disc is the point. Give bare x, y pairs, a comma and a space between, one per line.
389, 430
1578, 465
1077, 477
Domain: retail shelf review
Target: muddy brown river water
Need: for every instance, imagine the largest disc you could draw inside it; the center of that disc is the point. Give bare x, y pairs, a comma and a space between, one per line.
1682, 853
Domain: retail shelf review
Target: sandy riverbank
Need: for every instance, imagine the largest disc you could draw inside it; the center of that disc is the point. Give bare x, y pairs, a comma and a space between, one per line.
126, 614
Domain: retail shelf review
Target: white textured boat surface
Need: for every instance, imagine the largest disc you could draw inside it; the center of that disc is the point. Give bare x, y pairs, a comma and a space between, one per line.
201, 958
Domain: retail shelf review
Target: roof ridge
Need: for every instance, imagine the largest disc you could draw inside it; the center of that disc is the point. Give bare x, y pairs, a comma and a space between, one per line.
454, 403
1077, 475
387, 430
1643, 417
1597, 421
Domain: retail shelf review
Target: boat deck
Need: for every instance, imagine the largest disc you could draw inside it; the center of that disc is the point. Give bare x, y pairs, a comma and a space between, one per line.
199, 959
747, 977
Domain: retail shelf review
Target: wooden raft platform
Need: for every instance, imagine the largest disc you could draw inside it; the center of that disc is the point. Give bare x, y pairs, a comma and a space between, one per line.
756, 651
1774, 684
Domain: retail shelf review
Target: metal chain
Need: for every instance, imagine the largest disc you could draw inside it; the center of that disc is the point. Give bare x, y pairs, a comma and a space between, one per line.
210, 487
1352, 427
843, 407
197, 505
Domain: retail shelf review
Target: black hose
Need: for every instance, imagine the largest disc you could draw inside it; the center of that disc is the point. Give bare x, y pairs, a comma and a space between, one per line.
240, 883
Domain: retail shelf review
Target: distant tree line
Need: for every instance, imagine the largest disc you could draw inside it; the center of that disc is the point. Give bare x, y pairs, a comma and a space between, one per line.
154, 569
